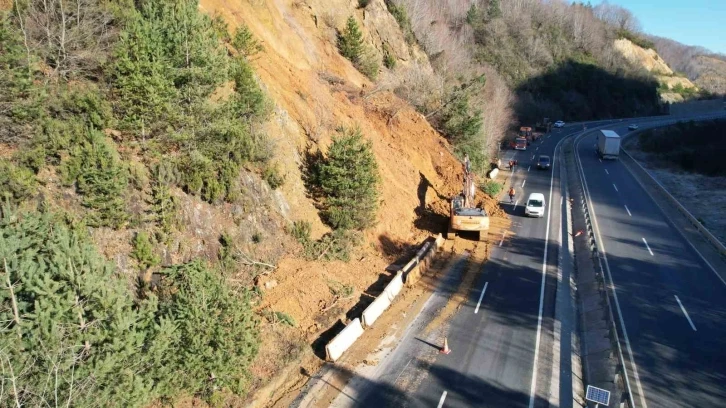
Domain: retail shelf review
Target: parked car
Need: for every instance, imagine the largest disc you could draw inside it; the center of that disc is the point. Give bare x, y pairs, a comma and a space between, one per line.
535, 206
633, 127
559, 124
543, 162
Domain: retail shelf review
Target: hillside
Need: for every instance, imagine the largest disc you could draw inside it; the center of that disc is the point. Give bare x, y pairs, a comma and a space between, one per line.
706, 69
206, 189
673, 88
174, 144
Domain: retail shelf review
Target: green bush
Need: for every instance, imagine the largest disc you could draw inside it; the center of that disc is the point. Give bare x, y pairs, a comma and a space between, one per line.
399, 13
349, 180
81, 337
17, 183
216, 337
273, 177
389, 60
245, 43
143, 251
350, 41
635, 39
492, 188
369, 65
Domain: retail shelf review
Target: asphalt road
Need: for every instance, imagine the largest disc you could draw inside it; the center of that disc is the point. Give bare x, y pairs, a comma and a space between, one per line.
502, 338
672, 304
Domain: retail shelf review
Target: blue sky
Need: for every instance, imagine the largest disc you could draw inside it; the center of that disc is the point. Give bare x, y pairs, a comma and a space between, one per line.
692, 22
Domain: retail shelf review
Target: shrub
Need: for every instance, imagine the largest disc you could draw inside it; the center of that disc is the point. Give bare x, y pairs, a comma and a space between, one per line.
245, 43
301, 231
349, 181
216, 330
82, 336
143, 252
492, 188
164, 209
363, 3
273, 177
369, 65
389, 60
17, 183
101, 180
399, 13
350, 41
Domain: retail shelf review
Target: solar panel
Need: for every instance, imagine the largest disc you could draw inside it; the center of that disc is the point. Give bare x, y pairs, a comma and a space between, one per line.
597, 395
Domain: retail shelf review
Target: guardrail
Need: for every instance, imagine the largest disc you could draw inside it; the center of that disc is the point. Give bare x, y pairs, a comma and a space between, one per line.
693, 220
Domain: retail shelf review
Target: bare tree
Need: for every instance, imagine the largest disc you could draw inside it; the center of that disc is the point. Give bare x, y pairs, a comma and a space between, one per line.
71, 36
617, 16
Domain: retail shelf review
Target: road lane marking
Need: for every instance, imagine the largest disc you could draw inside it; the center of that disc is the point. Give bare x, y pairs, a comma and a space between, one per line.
523, 181
616, 188
500, 242
515, 205
404, 369
647, 246
601, 246
600, 160
441, 401
628, 210
606, 172
529, 168
483, 291
532, 157
685, 313
536, 149
533, 387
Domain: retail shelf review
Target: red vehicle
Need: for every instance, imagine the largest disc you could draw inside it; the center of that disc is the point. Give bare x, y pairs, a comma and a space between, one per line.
520, 143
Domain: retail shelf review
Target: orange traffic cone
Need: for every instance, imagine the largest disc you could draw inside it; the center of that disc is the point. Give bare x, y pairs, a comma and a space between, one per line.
446, 349
579, 233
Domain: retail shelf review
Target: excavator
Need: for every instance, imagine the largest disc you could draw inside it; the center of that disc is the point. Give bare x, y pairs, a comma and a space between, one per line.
464, 215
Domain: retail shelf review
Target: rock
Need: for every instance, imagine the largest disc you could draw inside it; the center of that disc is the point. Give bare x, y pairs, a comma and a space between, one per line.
270, 284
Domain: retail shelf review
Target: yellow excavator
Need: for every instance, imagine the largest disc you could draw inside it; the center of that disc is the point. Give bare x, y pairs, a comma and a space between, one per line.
464, 216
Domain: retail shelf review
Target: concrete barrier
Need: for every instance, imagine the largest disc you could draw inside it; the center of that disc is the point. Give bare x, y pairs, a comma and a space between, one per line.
394, 287
376, 309
344, 340
427, 254
493, 174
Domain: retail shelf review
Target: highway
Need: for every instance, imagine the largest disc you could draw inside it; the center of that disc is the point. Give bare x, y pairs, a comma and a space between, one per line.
498, 335
672, 304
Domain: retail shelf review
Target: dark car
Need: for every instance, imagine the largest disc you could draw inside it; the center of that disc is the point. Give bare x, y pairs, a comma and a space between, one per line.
543, 162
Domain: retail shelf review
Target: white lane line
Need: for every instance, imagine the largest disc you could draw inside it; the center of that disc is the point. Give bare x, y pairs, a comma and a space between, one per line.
515, 205
500, 242
600, 160
536, 149
523, 181
404, 369
616, 188
441, 401
628, 210
685, 313
628, 348
647, 246
532, 157
529, 168
483, 291
606, 172
533, 387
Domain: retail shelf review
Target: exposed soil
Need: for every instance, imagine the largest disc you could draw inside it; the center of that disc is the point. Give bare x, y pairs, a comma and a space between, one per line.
315, 91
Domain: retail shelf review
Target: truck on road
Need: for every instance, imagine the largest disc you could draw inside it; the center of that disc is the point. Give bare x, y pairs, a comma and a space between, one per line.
608, 144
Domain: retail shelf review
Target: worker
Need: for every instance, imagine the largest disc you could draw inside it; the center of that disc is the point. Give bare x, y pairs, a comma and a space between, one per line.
511, 194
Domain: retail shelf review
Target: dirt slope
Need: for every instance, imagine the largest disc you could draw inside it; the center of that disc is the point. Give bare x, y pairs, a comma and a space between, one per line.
315, 90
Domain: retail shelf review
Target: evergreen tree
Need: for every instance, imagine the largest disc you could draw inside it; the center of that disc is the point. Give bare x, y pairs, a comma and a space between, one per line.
217, 330
72, 333
143, 252
350, 41
349, 180
494, 10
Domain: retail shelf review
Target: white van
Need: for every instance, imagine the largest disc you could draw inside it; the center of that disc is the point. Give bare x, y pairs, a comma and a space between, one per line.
535, 206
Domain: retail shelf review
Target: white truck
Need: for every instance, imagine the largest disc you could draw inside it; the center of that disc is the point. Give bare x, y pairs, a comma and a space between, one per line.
608, 144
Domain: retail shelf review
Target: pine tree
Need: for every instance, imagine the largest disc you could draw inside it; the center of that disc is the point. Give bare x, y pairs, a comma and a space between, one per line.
143, 253
349, 180
494, 10
350, 41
